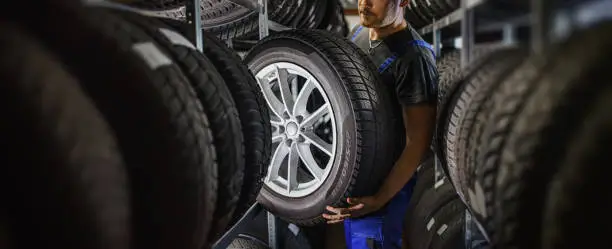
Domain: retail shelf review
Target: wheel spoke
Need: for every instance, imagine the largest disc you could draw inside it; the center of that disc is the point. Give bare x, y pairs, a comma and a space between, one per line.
285, 89
312, 118
302, 98
277, 137
315, 140
292, 169
274, 103
277, 160
310, 162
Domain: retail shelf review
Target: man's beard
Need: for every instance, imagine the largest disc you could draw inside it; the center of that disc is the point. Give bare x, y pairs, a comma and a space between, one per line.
392, 13
393, 10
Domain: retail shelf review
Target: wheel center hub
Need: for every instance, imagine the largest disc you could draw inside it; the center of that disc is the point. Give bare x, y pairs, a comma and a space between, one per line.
292, 129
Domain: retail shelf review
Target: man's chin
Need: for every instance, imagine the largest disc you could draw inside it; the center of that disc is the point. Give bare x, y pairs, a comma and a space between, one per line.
367, 24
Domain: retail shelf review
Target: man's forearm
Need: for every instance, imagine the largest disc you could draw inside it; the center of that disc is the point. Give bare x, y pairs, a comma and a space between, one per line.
403, 169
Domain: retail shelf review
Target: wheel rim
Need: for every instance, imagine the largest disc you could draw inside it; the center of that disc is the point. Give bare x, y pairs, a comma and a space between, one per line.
303, 129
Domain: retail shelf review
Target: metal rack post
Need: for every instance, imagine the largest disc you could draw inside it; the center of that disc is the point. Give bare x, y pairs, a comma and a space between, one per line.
541, 23
467, 33
263, 19
193, 15
437, 36
509, 34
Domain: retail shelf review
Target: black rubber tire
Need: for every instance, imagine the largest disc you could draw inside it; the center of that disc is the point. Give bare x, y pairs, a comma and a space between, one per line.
474, 97
246, 243
575, 211
361, 106
252, 110
418, 220
425, 180
162, 129
547, 112
154, 4
213, 93
300, 12
413, 17
449, 227
63, 180
319, 10
254, 116
246, 23
451, 111
289, 235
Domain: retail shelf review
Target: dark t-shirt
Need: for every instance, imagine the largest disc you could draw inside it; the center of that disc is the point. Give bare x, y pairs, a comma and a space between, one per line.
410, 67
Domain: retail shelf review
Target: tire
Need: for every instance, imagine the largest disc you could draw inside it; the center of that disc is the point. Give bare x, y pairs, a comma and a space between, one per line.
451, 112
246, 243
419, 219
155, 4
228, 20
252, 110
414, 17
63, 178
426, 178
546, 116
449, 227
360, 109
289, 235
221, 110
573, 206
474, 99
173, 171
254, 117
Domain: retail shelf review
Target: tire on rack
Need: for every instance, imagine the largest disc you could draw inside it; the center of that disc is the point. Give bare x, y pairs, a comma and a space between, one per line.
254, 115
352, 108
215, 96
426, 178
64, 181
419, 217
228, 20
155, 5
451, 110
543, 108
474, 99
288, 236
449, 226
161, 126
252, 110
244, 242
574, 206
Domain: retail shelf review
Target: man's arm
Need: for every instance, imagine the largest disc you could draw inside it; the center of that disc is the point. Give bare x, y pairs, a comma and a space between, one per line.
419, 124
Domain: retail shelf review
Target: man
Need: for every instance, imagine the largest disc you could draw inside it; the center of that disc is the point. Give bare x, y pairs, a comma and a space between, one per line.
408, 64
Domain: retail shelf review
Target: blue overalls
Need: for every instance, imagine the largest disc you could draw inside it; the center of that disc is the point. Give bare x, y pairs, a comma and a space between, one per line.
383, 229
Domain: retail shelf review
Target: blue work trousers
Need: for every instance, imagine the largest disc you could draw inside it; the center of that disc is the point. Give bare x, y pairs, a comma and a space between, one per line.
382, 229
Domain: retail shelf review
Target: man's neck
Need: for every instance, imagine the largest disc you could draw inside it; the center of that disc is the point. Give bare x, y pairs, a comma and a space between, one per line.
382, 32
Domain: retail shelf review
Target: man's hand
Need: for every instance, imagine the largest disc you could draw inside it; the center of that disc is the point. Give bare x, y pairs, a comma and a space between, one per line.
359, 206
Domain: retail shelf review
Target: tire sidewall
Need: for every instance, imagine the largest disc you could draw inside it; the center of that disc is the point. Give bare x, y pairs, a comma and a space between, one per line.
340, 177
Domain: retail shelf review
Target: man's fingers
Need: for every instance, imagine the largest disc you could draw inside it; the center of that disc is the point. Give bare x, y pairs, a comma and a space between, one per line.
336, 216
334, 221
356, 207
335, 210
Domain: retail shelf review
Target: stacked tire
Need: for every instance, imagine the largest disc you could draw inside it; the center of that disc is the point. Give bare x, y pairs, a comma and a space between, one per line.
436, 215
514, 127
240, 26
152, 144
420, 13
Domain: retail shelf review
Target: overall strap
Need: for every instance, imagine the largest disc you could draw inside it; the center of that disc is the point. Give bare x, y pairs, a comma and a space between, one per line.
418, 43
356, 33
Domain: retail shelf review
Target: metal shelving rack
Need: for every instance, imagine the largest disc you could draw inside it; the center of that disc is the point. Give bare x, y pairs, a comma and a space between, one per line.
541, 18
547, 21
